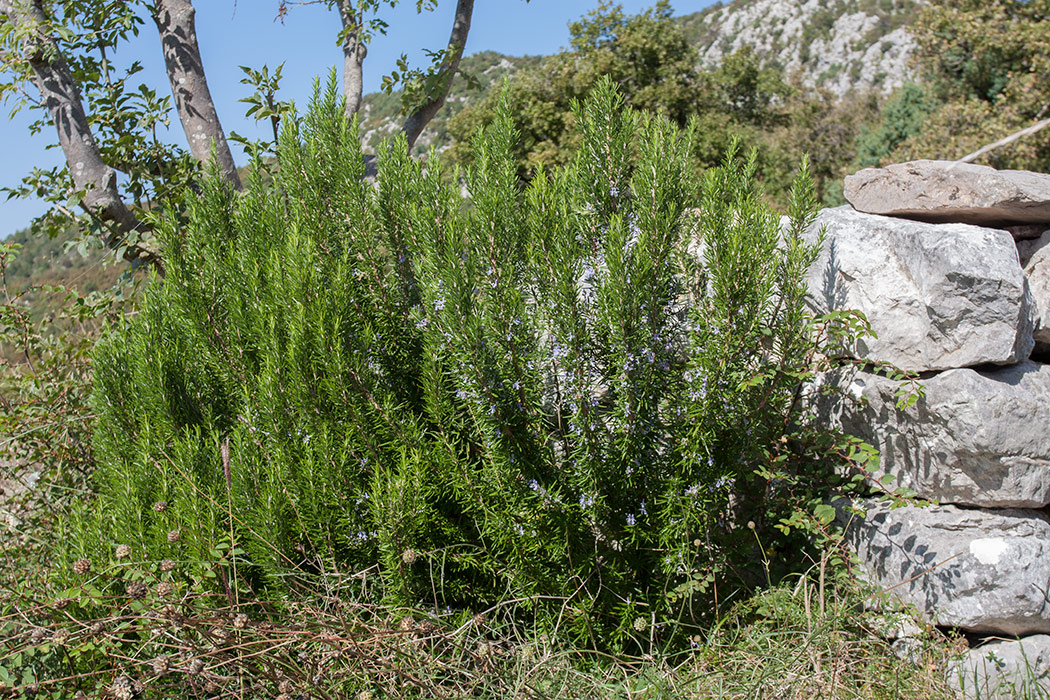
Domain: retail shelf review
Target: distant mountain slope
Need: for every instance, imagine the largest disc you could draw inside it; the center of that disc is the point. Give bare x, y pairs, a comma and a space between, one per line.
838, 44
379, 111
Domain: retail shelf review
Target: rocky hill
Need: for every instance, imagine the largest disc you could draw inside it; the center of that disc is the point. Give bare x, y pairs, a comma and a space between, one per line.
841, 45
838, 44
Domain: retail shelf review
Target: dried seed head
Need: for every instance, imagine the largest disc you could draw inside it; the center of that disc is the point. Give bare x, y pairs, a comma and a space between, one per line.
62, 603
60, 637
137, 590
160, 506
240, 621
174, 535
640, 624
163, 589
195, 667
38, 635
219, 633
123, 551
285, 686
211, 687
160, 665
122, 688
409, 556
81, 567
407, 624
97, 628
167, 565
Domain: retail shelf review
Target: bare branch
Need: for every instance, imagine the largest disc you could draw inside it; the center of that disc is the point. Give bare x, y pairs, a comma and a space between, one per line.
1006, 141
62, 99
189, 86
354, 52
457, 40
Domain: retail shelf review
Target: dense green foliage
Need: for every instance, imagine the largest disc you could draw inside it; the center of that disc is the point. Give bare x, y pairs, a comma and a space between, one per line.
648, 56
987, 64
542, 397
901, 118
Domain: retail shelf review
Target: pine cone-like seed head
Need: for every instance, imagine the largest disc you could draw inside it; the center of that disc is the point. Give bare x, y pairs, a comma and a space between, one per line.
160, 665
81, 567
122, 688
167, 565
160, 506
174, 535
123, 551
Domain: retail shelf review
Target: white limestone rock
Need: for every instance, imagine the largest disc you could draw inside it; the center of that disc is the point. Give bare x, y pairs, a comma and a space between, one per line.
937, 296
981, 571
950, 192
977, 438
1035, 256
1004, 670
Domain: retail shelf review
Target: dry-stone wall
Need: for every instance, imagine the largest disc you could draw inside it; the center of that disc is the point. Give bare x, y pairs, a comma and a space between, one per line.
951, 265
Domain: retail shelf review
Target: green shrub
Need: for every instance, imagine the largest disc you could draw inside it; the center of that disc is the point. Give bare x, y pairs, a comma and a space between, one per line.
902, 118
545, 399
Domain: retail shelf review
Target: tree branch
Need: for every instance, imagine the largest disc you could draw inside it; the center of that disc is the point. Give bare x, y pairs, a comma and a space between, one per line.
62, 100
1006, 141
189, 86
354, 52
457, 40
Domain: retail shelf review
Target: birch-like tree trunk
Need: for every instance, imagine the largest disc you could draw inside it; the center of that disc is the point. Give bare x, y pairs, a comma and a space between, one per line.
189, 86
354, 52
457, 40
61, 97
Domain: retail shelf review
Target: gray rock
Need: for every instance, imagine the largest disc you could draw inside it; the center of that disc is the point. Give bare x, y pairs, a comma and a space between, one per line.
976, 438
1004, 670
1027, 248
979, 570
938, 296
1035, 256
950, 192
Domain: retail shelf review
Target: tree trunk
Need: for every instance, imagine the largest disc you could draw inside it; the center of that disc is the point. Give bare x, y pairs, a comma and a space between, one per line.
91, 176
189, 86
354, 53
456, 41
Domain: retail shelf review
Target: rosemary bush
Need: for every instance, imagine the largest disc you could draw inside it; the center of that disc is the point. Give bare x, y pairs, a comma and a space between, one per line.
579, 399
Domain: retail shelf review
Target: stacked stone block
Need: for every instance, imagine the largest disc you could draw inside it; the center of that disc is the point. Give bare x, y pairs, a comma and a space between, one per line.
951, 265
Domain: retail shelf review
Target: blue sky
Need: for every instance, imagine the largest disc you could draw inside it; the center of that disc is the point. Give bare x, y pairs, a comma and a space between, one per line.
233, 33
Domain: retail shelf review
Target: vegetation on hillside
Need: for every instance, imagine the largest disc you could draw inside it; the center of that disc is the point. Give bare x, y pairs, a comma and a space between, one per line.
986, 66
744, 100
547, 407
519, 419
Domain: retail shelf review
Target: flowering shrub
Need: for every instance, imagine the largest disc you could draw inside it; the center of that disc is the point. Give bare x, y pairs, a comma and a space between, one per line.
567, 399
